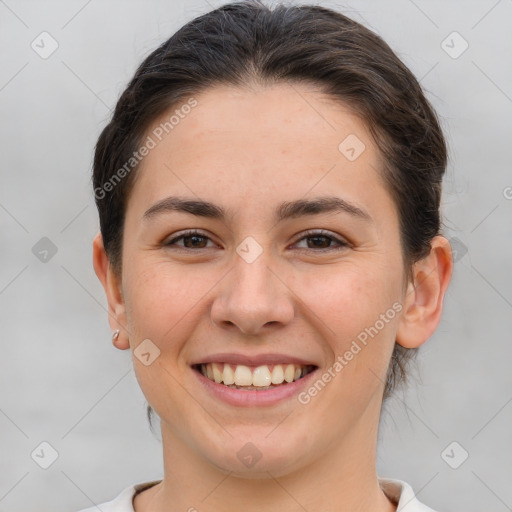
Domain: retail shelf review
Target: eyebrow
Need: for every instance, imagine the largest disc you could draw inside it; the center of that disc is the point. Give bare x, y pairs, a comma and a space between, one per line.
329, 204
286, 210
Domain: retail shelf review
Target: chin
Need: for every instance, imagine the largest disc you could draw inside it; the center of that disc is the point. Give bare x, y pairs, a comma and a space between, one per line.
257, 456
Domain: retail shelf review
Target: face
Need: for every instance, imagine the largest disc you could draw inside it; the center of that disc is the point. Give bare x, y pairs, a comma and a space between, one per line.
257, 236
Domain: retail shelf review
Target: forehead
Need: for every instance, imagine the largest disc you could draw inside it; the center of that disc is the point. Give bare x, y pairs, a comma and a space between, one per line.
275, 141
289, 116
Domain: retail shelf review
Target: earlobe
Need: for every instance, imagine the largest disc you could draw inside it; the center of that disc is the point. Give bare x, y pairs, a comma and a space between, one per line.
423, 300
111, 285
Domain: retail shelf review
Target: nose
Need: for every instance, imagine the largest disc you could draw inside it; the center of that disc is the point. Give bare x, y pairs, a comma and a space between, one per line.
252, 298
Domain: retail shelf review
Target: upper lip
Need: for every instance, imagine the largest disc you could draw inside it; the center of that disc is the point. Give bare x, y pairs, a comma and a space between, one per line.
252, 360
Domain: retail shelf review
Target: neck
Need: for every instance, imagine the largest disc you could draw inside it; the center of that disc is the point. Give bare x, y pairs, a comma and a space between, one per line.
343, 479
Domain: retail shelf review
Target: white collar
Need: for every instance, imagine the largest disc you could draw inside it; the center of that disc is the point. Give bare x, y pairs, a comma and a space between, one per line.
398, 491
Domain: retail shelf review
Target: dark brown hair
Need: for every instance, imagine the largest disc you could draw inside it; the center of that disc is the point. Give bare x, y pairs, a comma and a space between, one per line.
247, 42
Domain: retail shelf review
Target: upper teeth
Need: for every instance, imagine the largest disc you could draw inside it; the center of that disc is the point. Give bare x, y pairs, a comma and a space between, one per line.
261, 376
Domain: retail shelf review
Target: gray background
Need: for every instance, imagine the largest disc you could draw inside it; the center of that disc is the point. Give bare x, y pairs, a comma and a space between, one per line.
61, 380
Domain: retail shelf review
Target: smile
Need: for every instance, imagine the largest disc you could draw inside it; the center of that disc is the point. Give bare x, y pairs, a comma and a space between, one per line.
261, 377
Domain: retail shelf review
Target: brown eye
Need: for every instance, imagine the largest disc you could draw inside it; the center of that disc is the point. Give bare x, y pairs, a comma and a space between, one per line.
319, 242
322, 241
195, 241
190, 240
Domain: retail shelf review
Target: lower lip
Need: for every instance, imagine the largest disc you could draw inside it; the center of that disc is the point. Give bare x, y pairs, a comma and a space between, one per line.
252, 398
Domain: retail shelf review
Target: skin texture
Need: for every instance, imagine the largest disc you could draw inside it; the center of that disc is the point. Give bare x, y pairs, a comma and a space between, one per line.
248, 151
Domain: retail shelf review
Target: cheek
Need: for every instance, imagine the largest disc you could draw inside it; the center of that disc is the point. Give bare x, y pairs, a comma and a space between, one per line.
350, 299
356, 306
163, 304
161, 298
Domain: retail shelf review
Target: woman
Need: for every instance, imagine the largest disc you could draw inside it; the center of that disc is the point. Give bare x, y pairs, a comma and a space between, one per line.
268, 191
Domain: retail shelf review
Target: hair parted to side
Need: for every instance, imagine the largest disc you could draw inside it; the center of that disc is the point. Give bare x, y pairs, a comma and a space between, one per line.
247, 42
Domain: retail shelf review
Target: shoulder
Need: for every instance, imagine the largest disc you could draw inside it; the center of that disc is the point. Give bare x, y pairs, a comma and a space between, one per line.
123, 502
402, 494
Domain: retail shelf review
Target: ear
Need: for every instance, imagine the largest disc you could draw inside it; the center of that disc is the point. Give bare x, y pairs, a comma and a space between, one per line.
112, 285
423, 301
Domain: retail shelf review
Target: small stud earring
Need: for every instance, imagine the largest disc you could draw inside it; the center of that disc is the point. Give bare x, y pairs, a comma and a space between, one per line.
115, 335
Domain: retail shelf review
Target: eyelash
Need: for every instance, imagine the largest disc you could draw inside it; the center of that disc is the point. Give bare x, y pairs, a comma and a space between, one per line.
308, 234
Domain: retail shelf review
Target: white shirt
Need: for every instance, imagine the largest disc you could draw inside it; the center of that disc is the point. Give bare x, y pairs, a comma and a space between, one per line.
397, 491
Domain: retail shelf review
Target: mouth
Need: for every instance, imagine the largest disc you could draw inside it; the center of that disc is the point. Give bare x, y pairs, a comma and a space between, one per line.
253, 378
